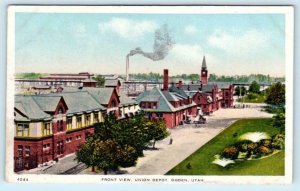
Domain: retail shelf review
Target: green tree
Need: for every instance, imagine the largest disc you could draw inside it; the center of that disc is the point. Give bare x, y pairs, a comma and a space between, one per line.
254, 87
279, 121
106, 155
240, 91
158, 130
100, 80
276, 94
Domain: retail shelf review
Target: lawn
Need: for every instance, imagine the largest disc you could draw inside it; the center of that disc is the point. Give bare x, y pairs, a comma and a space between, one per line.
200, 162
257, 98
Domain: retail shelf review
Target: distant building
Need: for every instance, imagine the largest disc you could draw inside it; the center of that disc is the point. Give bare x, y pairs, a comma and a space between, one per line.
56, 80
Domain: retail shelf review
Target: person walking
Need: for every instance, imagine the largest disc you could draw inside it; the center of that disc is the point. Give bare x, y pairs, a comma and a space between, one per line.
171, 141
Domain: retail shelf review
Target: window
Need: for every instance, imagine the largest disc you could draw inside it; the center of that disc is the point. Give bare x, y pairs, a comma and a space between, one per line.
69, 123
88, 120
46, 146
69, 139
154, 105
60, 126
27, 151
149, 105
159, 115
96, 117
20, 150
46, 130
22, 129
79, 121
113, 103
78, 137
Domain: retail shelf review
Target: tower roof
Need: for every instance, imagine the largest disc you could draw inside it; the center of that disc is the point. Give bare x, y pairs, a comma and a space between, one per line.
204, 63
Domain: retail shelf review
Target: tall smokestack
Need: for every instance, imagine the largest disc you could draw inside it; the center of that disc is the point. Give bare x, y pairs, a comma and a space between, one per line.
127, 68
166, 80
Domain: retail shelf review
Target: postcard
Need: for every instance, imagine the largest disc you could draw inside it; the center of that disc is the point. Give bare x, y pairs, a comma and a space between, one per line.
150, 94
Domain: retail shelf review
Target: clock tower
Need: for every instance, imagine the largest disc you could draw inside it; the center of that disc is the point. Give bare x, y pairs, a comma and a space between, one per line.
204, 72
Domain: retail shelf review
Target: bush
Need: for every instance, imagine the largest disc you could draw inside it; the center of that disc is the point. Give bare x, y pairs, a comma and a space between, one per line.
278, 141
266, 143
230, 152
252, 146
263, 150
251, 96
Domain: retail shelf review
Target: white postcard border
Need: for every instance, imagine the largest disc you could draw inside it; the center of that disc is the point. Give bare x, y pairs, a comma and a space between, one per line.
156, 179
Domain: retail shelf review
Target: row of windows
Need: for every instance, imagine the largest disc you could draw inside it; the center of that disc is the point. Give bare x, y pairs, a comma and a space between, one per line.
88, 121
23, 130
150, 105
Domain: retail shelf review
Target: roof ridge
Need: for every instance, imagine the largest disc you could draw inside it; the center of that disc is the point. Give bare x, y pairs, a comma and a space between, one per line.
165, 99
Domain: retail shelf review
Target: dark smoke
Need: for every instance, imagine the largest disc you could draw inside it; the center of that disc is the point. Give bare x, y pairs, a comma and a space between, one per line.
163, 43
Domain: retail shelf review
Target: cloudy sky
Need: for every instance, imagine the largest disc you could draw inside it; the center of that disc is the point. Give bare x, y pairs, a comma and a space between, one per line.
98, 43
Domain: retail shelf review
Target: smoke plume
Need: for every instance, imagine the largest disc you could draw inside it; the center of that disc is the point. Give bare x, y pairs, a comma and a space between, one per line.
163, 43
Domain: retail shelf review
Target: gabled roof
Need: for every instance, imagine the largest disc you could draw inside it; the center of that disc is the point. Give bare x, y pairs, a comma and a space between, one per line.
102, 95
162, 98
191, 87
207, 87
169, 96
80, 101
175, 89
111, 82
47, 103
223, 85
125, 100
29, 108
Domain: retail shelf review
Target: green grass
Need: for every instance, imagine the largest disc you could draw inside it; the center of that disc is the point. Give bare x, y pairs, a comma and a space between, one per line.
257, 99
201, 161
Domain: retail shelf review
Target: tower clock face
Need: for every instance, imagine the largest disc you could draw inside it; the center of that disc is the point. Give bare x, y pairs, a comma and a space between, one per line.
203, 72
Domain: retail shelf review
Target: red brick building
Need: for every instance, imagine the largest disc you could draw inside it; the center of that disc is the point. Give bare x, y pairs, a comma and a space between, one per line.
172, 104
51, 126
210, 96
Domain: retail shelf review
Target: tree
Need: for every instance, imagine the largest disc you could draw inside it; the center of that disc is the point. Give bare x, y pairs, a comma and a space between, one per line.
157, 130
279, 121
240, 91
276, 94
254, 87
100, 80
106, 155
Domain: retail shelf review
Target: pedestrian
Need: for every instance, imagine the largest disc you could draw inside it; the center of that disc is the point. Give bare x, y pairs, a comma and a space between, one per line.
171, 141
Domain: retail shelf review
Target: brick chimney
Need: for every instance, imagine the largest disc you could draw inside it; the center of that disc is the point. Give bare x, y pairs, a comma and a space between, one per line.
180, 84
166, 80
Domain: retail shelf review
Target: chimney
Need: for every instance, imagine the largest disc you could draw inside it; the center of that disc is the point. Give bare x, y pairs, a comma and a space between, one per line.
166, 80
180, 84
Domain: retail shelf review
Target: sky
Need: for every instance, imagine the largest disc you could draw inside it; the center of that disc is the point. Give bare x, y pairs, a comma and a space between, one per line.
233, 44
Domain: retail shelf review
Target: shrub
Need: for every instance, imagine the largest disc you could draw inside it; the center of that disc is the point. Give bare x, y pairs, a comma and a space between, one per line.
278, 141
230, 152
263, 150
188, 166
251, 96
266, 143
252, 146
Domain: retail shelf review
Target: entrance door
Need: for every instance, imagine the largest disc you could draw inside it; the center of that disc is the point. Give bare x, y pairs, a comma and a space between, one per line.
60, 148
